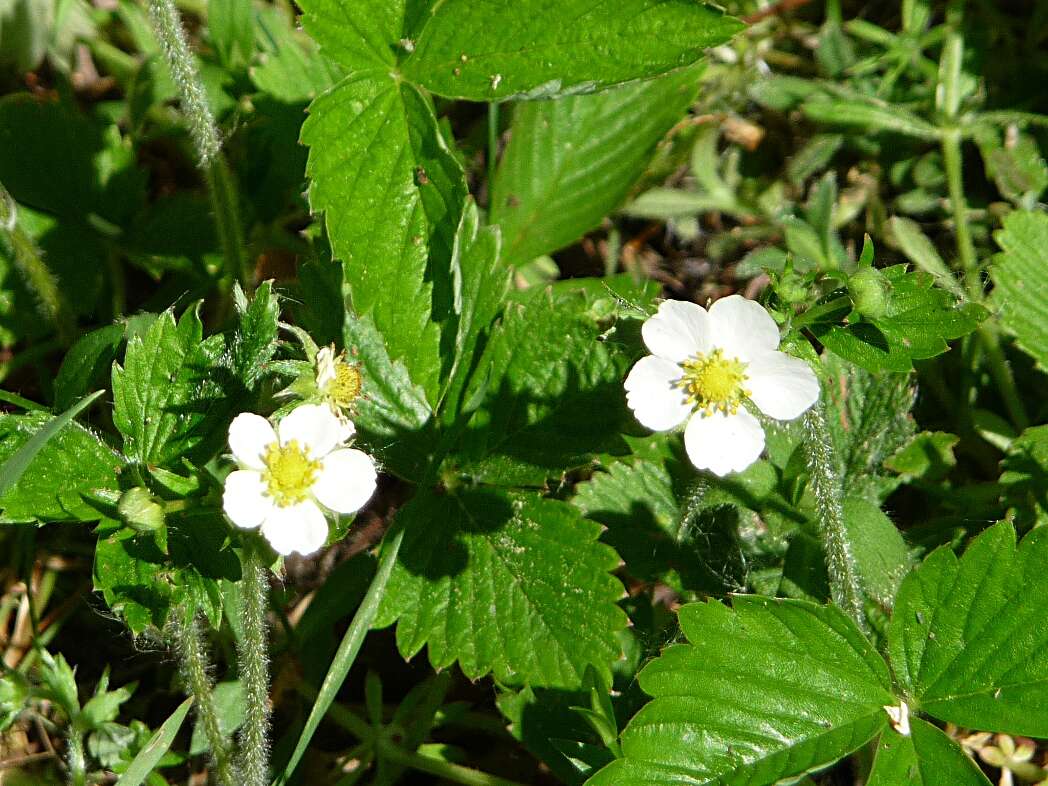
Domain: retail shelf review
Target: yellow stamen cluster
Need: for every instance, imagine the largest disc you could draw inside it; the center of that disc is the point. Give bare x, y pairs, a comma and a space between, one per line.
713, 382
290, 473
345, 387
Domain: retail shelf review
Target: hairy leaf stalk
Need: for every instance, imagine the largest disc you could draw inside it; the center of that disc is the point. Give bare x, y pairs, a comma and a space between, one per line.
167, 24
75, 758
188, 640
826, 485
37, 276
254, 670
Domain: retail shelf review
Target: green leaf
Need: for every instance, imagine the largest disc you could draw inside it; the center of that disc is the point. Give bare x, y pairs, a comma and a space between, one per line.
878, 549
49, 464
392, 414
157, 401
926, 757
870, 117
767, 690
571, 161
637, 502
232, 30
479, 285
508, 583
554, 392
918, 320
928, 456
967, 636
392, 195
255, 340
128, 571
86, 364
290, 68
1020, 294
1025, 477
361, 34
920, 250
494, 50
869, 421
159, 744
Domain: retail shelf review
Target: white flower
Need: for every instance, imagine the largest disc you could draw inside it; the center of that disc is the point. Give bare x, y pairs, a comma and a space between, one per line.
704, 366
285, 473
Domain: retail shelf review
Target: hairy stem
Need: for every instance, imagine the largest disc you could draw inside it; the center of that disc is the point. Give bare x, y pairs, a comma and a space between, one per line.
37, 276
167, 24
253, 654
189, 642
826, 485
75, 758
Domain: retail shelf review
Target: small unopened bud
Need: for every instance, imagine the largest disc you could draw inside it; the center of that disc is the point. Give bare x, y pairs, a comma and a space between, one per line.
870, 290
140, 511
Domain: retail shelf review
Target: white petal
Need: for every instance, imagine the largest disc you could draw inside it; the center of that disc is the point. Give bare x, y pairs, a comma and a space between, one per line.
249, 436
742, 328
656, 402
346, 429
723, 443
300, 528
244, 498
781, 386
346, 481
325, 363
678, 331
313, 426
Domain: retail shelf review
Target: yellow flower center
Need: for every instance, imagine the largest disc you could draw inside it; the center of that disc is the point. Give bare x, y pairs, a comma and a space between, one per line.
345, 387
714, 382
290, 473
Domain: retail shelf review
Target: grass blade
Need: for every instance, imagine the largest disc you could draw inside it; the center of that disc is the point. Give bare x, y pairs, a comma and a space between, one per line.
155, 749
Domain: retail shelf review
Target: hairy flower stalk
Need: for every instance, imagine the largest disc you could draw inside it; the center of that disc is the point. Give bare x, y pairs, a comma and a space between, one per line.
845, 582
254, 669
189, 643
167, 24
37, 276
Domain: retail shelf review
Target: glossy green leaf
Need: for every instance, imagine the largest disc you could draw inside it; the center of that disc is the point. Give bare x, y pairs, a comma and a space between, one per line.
159, 744
766, 690
492, 50
554, 392
926, 757
508, 583
392, 195
967, 639
49, 464
1020, 293
571, 161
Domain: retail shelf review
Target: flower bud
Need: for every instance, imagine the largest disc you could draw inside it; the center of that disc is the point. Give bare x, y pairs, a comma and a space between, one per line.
870, 290
140, 511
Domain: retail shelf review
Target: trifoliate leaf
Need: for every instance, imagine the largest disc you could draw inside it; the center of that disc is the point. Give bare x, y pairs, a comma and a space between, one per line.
392, 195
571, 161
917, 322
926, 757
766, 690
967, 636
554, 393
495, 50
1020, 290
73, 463
512, 584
